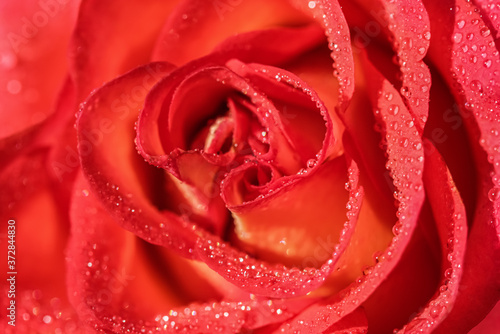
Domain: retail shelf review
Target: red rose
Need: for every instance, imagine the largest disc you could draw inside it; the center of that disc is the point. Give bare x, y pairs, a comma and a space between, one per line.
223, 177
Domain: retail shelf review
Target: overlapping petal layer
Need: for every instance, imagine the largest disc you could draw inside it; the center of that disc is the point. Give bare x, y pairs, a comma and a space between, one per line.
469, 68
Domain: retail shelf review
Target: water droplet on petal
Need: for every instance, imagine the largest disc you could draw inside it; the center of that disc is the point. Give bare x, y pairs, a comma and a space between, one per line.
461, 24
436, 309
476, 86
311, 163
393, 110
494, 194
485, 32
448, 273
396, 229
457, 38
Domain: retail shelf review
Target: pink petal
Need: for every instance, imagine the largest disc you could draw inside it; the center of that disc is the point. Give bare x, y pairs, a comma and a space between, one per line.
408, 23
471, 68
329, 13
33, 64
449, 213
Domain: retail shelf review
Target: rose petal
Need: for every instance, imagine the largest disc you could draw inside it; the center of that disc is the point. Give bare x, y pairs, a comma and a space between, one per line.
47, 133
272, 46
237, 46
107, 266
464, 39
353, 323
262, 278
210, 23
446, 130
99, 52
490, 12
423, 286
411, 283
409, 26
405, 164
314, 68
106, 138
305, 121
449, 213
339, 42
490, 324
35, 38
317, 197
106, 274
32, 199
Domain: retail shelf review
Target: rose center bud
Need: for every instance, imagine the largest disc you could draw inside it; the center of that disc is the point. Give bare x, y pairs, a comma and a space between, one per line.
250, 149
289, 209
